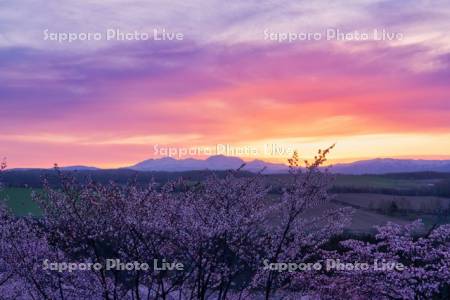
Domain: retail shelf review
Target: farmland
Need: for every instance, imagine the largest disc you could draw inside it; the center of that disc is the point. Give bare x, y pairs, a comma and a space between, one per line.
376, 199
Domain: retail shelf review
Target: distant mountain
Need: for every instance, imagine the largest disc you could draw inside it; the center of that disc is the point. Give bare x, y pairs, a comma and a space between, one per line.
79, 168
217, 162
389, 165
68, 168
257, 165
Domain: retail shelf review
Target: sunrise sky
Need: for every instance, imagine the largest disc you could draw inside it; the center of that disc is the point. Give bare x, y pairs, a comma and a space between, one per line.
107, 103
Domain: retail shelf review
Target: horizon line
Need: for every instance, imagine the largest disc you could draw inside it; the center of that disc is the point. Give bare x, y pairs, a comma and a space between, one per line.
329, 162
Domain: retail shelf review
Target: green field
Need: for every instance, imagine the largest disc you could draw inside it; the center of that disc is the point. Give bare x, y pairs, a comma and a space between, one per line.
362, 221
19, 201
380, 182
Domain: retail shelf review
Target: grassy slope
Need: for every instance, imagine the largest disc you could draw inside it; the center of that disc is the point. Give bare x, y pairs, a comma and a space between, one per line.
362, 220
19, 201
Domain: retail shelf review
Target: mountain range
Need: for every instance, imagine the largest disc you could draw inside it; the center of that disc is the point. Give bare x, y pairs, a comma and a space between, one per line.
221, 162
217, 162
